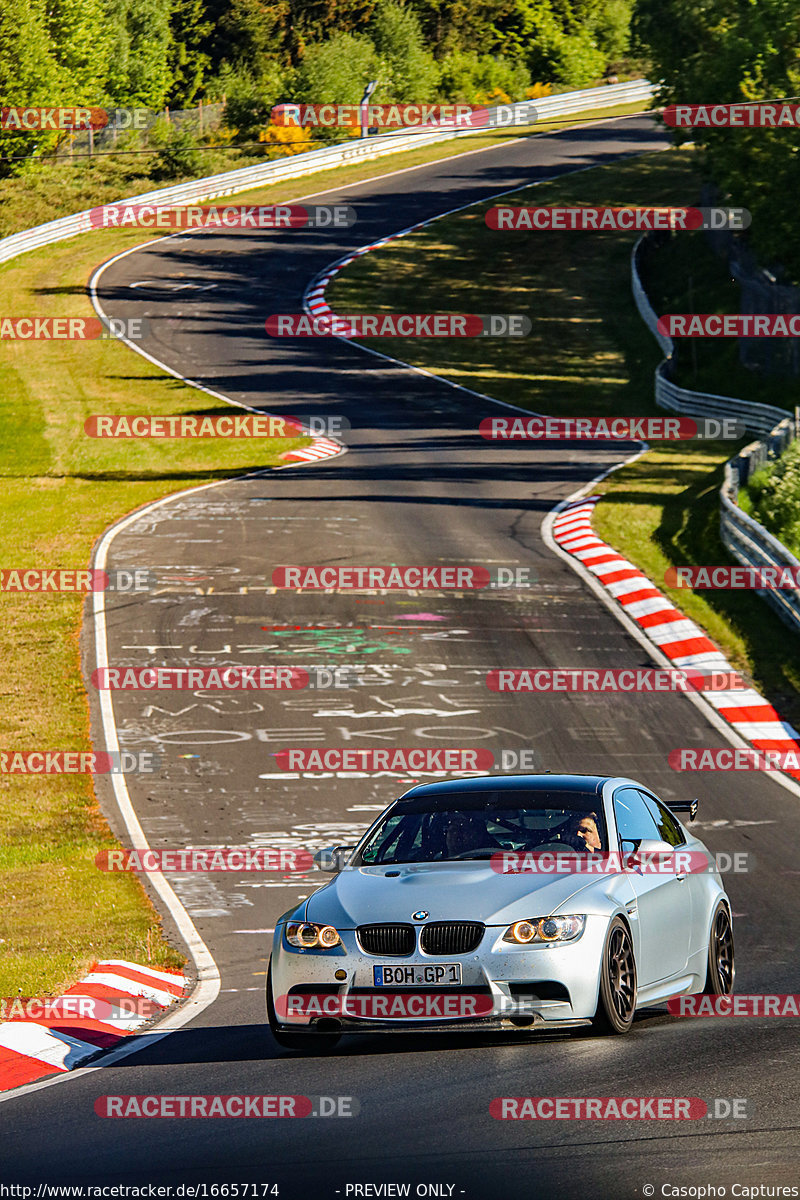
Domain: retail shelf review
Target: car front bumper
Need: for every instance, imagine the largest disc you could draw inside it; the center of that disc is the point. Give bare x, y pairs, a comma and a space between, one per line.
503, 987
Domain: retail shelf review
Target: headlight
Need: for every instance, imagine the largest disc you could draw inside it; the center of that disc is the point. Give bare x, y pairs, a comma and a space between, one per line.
545, 929
308, 936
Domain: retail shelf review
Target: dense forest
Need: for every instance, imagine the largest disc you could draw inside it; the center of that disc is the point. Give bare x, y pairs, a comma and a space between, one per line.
156, 54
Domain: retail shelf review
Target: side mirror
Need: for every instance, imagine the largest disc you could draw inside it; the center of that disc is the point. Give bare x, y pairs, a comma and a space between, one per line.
333, 858
684, 806
654, 846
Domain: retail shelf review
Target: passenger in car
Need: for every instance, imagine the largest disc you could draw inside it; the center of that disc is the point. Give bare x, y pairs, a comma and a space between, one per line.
466, 832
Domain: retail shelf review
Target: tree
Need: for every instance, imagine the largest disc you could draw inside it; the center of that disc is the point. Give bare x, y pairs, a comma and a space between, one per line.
247, 34
30, 76
729, 51
189, 62
409, 71
335, 71
470, 25
141, 72
82, 44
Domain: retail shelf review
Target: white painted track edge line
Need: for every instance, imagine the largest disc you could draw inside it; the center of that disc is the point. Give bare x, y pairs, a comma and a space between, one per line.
95, 299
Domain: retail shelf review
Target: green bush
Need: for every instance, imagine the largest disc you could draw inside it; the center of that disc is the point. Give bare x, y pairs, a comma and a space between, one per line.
772, 497
336, 71
612, 29
472, 77
249, 98
408, 71
176, 148
572, 59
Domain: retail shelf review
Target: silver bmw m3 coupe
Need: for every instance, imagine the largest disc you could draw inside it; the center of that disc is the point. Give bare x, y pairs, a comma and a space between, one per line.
505, 902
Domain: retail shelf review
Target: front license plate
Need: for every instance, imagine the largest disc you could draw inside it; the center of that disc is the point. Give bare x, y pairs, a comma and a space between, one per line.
437, 974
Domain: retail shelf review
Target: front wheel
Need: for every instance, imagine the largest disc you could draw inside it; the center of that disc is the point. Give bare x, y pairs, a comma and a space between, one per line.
300, 1041
720, 967
617, 1000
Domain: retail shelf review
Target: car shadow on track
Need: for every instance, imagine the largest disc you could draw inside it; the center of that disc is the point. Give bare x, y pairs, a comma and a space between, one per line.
253, 1043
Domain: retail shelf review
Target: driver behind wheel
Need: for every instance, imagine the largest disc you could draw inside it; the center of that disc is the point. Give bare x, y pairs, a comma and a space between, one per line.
584, 834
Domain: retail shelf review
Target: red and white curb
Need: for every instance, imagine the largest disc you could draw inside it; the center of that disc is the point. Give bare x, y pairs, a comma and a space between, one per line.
30, 1050
320, 448
681, 640
314, 300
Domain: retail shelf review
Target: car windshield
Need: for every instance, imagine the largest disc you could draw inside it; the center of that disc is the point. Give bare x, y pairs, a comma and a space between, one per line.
464, 825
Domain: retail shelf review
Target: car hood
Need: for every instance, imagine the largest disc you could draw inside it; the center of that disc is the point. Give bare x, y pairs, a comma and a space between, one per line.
470, 891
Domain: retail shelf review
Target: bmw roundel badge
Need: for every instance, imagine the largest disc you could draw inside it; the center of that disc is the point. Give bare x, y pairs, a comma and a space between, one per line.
419, 915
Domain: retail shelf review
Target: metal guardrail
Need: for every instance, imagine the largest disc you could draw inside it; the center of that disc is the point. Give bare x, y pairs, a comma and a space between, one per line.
758, 454
754, 546
228, 184
756, 418
743, 537
643, 305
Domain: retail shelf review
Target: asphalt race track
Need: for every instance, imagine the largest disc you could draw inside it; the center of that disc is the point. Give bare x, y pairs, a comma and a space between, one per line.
418, 485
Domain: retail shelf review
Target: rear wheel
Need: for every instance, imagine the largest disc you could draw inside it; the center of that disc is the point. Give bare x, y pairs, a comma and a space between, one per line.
720, 968
322, 1043
617, 1000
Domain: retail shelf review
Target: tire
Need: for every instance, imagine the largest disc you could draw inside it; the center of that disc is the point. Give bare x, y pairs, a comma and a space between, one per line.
321, 1043
720, 965
616, 1002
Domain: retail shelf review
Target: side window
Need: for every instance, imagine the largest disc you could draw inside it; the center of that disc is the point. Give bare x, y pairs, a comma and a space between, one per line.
634, 821
668, 828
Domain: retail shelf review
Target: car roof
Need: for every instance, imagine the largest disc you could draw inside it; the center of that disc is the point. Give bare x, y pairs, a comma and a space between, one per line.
590, 784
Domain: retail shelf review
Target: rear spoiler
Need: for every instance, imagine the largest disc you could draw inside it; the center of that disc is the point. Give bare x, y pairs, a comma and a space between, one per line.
684, 806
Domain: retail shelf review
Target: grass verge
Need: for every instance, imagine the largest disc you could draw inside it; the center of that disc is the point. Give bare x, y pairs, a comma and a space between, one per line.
60, 491
588, 354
